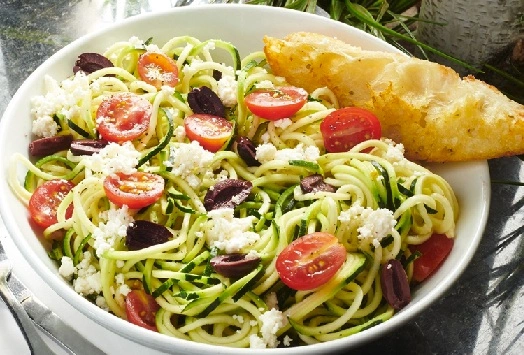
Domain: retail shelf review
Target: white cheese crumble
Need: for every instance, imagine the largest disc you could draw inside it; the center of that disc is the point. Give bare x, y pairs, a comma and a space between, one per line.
265, 84
64, 99
112, 230
374, 224
283, 123
190, 161
395, 152
228, 233
227, 90
271, 321
179, 133
267, 152
114, 158
136, 42
123, 288
88, 279
67, 268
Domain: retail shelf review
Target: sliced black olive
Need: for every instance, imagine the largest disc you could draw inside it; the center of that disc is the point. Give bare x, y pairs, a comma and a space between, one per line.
91, 62
142, 234
235, 265
247, 151
217, 74
87, 146
315, 183
205, 100
50, 145
227, 194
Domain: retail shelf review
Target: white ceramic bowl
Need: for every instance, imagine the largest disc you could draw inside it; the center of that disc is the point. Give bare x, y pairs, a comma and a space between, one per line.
245, 26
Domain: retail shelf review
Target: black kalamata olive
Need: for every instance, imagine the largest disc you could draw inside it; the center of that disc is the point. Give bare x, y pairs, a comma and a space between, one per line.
87, 146
49, 145
247, 151
395, 284
315, 183
235, 265
91, 62
142, 234
227, 194
205, 100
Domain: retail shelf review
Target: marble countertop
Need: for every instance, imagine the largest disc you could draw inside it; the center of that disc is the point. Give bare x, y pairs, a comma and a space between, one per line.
482, 313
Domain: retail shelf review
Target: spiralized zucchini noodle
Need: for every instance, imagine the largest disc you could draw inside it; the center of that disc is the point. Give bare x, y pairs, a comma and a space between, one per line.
373, 181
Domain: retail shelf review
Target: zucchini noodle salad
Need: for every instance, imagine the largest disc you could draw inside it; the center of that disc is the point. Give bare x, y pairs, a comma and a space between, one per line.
181, 210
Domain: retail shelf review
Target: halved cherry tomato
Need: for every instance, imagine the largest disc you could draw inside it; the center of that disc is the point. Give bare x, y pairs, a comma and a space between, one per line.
310, 261
212, 132
274, 104
45, 201
346, 127
123, 117
157, 69
434, 251
141, 309
135, 190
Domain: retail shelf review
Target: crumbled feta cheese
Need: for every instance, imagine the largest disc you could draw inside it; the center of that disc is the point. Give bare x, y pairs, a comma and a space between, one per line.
114, 158
271, 321
374, 224
283, 123
109, 232
189, 69
227, 90
64, 99
136, 42
228, 233
152, 48
395, 152
179, 133
255, 342
267, 152
189, 160
265, 137
240, 319
67, 268
123, 288
101, 303
265, 84
45, 126
287, 340
88, 279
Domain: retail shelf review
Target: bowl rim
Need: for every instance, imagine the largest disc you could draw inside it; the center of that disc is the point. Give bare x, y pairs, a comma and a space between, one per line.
163, 342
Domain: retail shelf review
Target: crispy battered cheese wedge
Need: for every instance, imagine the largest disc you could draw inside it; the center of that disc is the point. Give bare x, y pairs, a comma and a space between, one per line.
435, 114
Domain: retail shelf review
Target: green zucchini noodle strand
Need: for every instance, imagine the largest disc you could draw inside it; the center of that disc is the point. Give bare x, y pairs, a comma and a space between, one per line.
376, 203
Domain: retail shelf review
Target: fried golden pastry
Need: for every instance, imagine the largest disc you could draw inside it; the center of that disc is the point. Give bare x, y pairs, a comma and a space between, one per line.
437, 115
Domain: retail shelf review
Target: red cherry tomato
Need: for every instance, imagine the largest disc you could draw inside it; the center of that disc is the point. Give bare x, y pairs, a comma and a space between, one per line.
434, 251
45, 201
212, 132
141, 309
123, 117
157, 69
346, 127
310, 261
274, 104
135, 190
